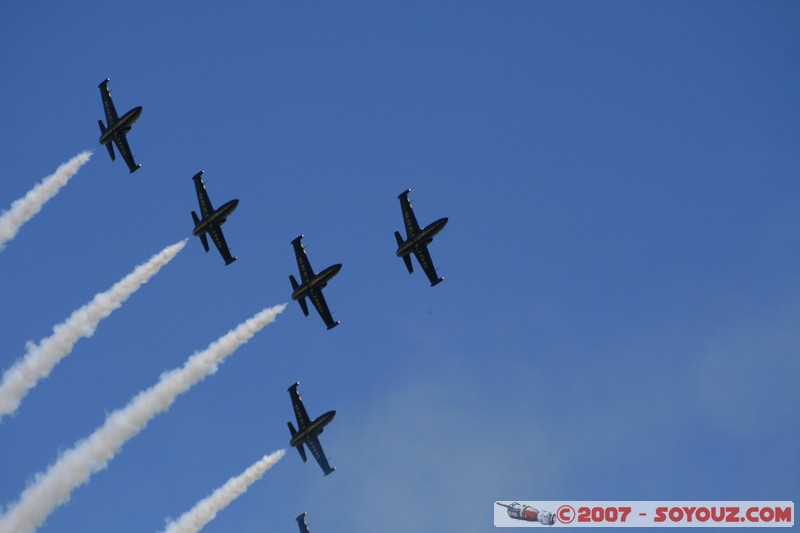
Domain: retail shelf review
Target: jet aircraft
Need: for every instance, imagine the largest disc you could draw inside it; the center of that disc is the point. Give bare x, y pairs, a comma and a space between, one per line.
301, 521
417, 240
308, 431
212, 219
118, 128
312, 284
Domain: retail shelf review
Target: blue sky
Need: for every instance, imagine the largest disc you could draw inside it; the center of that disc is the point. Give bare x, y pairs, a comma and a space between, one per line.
619, 316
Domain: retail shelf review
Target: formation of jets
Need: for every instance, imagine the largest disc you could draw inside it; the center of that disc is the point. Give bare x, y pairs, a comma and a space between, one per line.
210, 222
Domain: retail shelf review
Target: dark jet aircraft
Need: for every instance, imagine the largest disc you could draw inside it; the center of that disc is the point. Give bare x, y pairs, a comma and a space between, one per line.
212, 220
301, 521
312, 284
417, 240
308, 431
118, 128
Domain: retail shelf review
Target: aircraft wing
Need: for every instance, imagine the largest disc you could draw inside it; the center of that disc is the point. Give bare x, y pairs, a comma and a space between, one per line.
322, 307
301, 521
306, 272
219, 241
299, 411
202, 196
425, 261
125, 151
316, 450
410, 221
108, 105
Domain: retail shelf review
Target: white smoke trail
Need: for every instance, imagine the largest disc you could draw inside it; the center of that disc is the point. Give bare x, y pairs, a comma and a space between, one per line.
26, 207
206, 510
75, 466
40, 359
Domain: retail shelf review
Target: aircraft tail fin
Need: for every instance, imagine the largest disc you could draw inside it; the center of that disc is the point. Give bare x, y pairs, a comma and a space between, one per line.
109, 144
291, 429
203, 236
407, 257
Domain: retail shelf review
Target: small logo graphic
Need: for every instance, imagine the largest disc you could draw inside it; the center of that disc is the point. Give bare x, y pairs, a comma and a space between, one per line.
529, 514
565, 514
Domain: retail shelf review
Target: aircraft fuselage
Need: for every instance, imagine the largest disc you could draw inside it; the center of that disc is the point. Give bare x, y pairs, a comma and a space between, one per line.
217, 217
123, 125
314, 428
317, 282
424, 237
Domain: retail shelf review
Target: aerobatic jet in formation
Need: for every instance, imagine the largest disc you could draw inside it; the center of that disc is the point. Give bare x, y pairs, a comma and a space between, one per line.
301, 521
212, 219
118, 128
308, 430
312, 284
417, 240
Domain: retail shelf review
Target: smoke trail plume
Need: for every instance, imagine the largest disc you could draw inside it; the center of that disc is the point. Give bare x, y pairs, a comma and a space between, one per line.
26, 207
41, 358
206, 510
75, 466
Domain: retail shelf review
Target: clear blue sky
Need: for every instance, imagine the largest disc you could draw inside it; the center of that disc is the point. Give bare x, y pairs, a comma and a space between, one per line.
620, 313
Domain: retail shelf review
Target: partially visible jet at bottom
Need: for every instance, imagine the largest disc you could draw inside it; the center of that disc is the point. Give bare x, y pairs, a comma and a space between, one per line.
117, 128
417, 240
312, 284
308, 430
212, 220
301, 521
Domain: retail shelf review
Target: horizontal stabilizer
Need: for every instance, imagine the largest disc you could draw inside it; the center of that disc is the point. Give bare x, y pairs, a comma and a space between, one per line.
399, 239
203, 236
407, 257
293, 431
407, 261
204, 240
295, 286
109, 144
